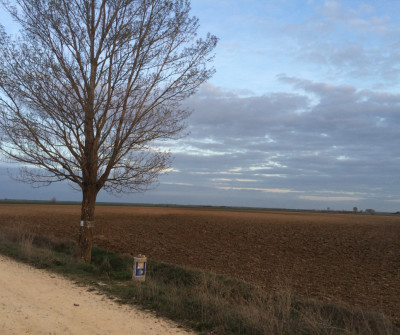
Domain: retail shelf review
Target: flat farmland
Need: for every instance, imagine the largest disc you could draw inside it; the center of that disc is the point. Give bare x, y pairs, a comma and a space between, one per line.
347, 258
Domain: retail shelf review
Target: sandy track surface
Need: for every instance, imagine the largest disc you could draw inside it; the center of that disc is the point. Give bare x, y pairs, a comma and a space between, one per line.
37, 302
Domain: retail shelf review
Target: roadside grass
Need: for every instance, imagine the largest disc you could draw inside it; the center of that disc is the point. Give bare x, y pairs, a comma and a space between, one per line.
206, 302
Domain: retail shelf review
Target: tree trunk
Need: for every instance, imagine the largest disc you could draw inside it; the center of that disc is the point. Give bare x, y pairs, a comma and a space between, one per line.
85, 241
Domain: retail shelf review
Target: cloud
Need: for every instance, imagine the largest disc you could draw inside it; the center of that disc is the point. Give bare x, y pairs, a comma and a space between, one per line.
267, 190
328, 199
320, 136
177, 183
363, 18
316, 123
346, 41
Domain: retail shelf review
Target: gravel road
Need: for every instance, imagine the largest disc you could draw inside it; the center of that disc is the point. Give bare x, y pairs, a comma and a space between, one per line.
36, 302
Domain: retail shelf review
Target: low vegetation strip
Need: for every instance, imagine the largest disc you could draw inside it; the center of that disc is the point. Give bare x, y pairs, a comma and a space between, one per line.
207, 302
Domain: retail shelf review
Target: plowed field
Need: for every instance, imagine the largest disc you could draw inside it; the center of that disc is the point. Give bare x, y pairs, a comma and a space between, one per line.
347, 258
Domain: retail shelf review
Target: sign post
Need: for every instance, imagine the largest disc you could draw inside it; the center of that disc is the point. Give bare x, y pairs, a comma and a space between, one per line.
139, 268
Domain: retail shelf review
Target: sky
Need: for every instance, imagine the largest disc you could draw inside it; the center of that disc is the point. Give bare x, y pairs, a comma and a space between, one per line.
302, 112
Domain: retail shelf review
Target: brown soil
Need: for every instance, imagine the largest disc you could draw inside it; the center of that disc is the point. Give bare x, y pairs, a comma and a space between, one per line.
347, 258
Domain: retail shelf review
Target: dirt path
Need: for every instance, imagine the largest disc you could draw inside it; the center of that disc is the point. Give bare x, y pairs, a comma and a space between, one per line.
38, 302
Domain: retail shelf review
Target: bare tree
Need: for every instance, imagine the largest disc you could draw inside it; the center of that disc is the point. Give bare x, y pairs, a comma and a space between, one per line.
90, 85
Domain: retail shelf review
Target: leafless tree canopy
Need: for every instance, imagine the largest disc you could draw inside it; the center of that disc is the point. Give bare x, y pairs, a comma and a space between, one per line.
91, 84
